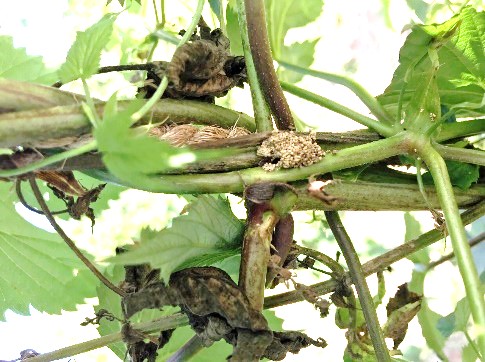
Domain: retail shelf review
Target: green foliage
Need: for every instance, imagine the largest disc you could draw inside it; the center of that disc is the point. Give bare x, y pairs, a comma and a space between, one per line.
280, 15
36, 267
232, 27
456, 321
216, 8
413, 230
83, 57
459, 44
16, 64
297, 53
209, 228
463, 175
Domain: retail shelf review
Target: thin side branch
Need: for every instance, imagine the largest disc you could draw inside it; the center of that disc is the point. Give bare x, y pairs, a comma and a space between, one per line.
358, 278
20, 195
162, 324
69, 242
380, 263
473, 242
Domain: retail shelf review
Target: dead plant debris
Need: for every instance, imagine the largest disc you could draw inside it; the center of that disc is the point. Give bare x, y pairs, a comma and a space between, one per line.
290, 150
188, 134
217, 309
200, 69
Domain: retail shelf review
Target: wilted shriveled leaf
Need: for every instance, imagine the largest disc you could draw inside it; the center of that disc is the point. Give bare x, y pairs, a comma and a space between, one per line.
401, 309
217, 309
209, 227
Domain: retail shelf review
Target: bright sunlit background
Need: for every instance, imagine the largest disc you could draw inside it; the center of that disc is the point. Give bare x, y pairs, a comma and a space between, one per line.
358, 38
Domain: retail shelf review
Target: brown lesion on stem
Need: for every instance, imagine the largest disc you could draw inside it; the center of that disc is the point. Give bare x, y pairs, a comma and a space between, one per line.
263, 62
268, 204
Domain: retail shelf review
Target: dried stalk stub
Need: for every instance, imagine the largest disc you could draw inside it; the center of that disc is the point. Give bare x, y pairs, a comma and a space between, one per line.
290, 150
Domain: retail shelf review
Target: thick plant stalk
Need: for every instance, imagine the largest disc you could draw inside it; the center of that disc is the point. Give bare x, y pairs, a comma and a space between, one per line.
30, 127
255, 253
358, 278
236, 180
454, 226
267, 204
262, 114
263, 62
476, 157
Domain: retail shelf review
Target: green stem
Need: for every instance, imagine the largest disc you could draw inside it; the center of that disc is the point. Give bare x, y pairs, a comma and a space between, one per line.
262, 114
473, 345
59, 157
461, 129
454, 225
222, 15
337, 269
235, 181
371, 102
358, 278
476, 157
419, 178
135, 117
89, 101
27, 128
380, 128
161, 324
155, 11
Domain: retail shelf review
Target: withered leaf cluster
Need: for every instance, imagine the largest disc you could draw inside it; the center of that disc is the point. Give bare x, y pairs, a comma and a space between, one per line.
201, 69
76, 197
217, 309
401, 309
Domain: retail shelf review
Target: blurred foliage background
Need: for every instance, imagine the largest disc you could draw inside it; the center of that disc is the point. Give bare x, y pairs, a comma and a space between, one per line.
357, 38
